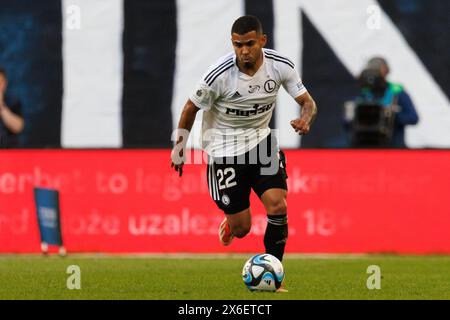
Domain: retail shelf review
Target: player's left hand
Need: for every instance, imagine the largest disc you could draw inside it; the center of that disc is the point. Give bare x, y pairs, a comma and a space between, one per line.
300, 126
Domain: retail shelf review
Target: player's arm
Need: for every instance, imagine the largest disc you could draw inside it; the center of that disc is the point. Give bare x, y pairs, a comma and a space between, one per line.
303, 124
185, 124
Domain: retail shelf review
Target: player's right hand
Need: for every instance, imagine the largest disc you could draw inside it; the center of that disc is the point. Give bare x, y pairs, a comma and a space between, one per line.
177, 161
178, 167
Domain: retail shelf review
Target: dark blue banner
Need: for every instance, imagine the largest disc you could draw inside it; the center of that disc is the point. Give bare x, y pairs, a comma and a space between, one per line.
48, 212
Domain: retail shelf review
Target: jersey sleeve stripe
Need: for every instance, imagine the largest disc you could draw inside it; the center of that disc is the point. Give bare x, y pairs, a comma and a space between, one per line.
280, 60
209, 75
279, 57
219, 73
276, 54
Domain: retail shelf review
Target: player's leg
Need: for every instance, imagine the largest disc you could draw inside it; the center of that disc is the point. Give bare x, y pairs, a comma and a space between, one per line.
235, 225
271, 188
230, 189
276, 234
240, 223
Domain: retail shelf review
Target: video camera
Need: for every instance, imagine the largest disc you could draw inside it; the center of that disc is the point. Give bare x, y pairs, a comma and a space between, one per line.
371, 122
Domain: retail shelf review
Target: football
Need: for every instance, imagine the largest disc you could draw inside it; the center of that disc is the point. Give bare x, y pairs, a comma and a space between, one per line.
263, 272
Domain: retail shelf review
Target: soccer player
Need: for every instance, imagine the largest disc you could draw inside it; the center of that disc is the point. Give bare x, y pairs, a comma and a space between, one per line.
238, 95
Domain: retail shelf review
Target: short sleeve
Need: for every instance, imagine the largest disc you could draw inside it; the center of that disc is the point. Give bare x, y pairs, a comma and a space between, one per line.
292, 82
203, 96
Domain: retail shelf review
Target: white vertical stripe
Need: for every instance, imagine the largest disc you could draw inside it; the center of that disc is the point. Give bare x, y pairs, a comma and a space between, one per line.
215, 181
288, 41
92, 67
216, 186
210, 184
203, 33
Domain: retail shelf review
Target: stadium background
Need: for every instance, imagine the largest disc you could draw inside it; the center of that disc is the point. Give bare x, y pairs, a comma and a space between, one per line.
102, 94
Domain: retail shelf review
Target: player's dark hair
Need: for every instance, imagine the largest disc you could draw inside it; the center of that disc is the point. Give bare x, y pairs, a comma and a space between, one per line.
246, 24
3, 72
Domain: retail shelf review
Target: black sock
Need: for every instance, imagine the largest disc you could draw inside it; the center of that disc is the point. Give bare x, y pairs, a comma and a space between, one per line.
276, 235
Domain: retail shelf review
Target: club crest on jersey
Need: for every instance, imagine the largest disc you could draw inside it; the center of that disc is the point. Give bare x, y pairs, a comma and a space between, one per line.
257, 109
225, 199
270, 85
199, 92
253, 89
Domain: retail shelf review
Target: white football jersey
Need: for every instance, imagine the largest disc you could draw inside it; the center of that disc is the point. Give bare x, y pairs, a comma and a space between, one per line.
238, 107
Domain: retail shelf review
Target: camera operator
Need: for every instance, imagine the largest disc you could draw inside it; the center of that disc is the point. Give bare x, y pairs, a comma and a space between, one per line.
381, 111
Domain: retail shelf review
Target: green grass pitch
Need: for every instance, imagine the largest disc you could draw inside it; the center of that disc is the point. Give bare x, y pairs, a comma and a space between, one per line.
219, 277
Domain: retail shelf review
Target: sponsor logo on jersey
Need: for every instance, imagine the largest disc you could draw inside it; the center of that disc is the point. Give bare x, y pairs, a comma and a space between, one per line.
253, 89
257, 109
236, 95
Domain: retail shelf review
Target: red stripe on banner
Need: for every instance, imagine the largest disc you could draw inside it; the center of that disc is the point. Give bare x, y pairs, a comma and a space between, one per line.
119, 201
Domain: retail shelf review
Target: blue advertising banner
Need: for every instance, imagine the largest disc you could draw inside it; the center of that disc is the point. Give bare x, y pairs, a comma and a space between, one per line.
47, 208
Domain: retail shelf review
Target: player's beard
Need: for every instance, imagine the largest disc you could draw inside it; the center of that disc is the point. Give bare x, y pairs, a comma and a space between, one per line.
249, 65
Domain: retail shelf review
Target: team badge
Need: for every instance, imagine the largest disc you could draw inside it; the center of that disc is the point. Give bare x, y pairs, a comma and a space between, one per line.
199, 92
225, 199
270, 86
